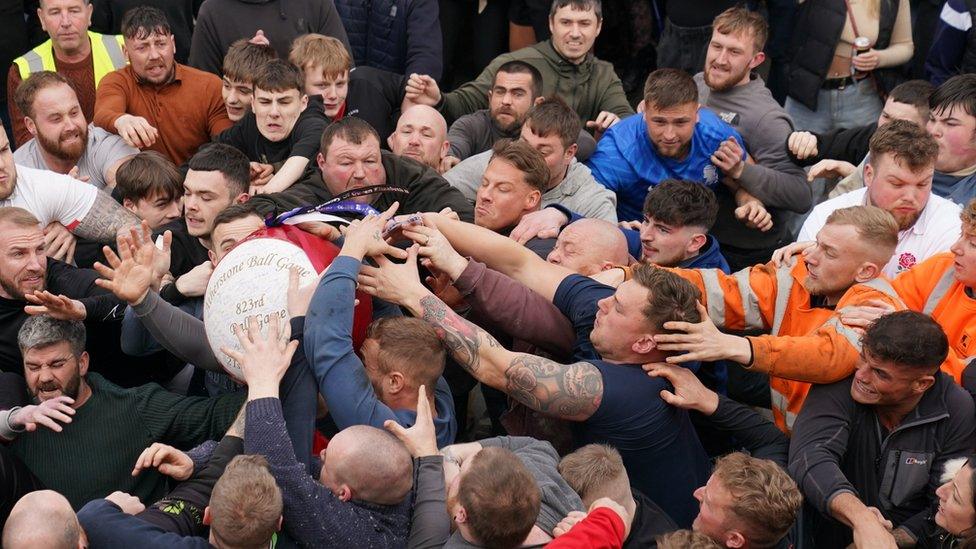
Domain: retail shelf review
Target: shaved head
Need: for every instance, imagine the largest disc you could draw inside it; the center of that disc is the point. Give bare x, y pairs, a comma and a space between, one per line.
588, 244
371, 462
43, 519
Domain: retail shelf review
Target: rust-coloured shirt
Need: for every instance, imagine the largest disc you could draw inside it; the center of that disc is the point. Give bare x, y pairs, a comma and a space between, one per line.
188, 111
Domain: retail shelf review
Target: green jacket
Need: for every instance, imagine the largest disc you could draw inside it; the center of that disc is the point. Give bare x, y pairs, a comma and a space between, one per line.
589, 88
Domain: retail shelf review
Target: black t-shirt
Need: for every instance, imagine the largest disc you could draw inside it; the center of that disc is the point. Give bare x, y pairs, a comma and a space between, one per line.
657, 442
375, 96
303, 140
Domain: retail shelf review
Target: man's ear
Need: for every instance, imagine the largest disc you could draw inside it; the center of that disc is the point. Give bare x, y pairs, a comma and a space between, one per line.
213, 257
461, 515
532, 200
278, 525
207, 517
868, 174
83, 364
644, 345
320, 161
345, 492
242, 198
696, 243
539, 100
304, 102
445, 148
867, 271
395, 382
30, 126
571, 151
757, 60
923, 384
735, 539
389, 140
128, 204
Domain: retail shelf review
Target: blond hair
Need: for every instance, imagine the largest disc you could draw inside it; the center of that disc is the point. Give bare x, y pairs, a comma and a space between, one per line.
316, 51
764, 497
968, 217
595, 471
686, 539
739, 20
876, 226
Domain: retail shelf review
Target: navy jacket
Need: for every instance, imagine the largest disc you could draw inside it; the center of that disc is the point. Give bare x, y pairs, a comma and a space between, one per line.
401, 36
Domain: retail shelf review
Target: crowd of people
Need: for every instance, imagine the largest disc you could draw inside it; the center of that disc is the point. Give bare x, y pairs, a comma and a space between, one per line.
713, 290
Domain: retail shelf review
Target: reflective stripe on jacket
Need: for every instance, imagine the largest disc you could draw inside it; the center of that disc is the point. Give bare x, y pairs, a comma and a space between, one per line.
107, 56
805, 344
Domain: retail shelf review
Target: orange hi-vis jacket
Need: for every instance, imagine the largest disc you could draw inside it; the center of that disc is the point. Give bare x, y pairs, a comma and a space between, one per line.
805, 344
931, 288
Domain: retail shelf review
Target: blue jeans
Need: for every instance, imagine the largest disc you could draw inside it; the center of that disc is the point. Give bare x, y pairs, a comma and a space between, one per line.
850, 107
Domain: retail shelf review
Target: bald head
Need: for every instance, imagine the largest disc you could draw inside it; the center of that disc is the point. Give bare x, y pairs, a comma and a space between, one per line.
421, 134
371, 462
588, 244
42, 519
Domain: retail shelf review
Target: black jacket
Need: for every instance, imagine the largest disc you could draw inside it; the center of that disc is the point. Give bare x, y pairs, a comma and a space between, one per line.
220, 22
818, 26
429, 192
847, 144
839, 446
375, 96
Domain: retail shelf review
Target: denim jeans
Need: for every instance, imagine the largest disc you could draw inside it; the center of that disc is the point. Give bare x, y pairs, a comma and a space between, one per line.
855, 105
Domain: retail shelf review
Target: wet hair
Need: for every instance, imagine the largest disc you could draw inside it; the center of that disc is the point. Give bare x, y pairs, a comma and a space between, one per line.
907, 338
141, 22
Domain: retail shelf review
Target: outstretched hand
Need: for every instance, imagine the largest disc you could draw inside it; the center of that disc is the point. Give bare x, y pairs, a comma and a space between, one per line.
701, 341
394, 282
263, 359
168, 460
364, 237
60, 307
131, 271
421, 439
689, 392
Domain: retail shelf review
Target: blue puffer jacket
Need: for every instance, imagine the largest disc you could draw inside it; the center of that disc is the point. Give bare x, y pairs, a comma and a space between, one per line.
401, 36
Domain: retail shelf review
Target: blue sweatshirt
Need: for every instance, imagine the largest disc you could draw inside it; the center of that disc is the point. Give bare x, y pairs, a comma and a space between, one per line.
340, 374
949, 43
627, 163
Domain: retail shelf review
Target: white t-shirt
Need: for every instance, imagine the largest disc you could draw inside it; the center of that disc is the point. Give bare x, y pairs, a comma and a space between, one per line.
934, 232
51, 196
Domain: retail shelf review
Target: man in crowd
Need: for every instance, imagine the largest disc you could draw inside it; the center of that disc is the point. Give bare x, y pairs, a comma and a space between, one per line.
80, 458
399, 356
952, 50
729, 87
801, 308
280, 136
942, 287
372, 94
552, 128
151, 187
953, 125
674, 232
81, 56
512, 186
62, 140
675, 138
899, 413
62, 204
516, 88
156, 103
898, 176
350, 159
61, 289
421, 134
596, 391
599, 100
243, 61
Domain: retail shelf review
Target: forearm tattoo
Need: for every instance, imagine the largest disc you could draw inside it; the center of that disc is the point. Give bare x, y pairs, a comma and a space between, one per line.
104, 220
571, 391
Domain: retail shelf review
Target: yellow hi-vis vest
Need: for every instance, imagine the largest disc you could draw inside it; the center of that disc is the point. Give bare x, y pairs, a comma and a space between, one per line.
107, 56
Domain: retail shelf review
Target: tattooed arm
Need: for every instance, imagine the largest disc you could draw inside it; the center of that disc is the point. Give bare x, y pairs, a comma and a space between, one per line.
104, 220
566, 391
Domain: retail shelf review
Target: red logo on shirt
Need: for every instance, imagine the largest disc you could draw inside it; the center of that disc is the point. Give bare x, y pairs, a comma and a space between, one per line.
906, 261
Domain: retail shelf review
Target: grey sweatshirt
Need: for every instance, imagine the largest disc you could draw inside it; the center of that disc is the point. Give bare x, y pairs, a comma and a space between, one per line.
774, 179
578, 191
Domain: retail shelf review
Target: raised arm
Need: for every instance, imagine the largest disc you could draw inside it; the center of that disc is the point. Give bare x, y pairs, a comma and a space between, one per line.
498, 252
572, 391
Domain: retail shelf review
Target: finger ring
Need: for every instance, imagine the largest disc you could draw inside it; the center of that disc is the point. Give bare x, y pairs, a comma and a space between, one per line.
426, 242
